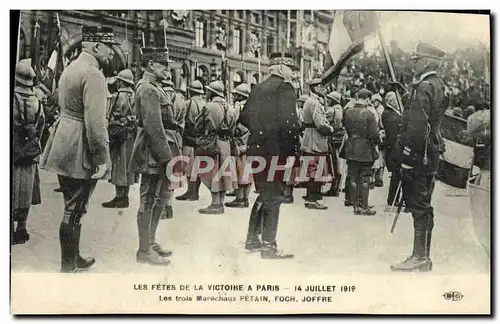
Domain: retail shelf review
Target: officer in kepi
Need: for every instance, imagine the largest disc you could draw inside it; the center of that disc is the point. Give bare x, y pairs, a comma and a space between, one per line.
152, 152
271, 117
417, 151
78, 149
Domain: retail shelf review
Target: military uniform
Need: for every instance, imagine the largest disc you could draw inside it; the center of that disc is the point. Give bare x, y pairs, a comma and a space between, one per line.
360, 153
379, 164
391, 119
194, 107
315, 145
157, 143
271, 117
79, 143
218, 120
417, 151
122, 115
28, 121
239, 144
334, 114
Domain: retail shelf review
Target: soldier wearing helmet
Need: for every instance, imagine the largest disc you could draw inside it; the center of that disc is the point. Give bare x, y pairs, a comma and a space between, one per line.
239, 147
194, 108
334, 115
28, 124
217, 121
122, 128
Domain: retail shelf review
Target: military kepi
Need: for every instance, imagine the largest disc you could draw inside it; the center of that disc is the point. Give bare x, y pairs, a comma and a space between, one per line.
98, 34
282, 58
428, 50
156, 54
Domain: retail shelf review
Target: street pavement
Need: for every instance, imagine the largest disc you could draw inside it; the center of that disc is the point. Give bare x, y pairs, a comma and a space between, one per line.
324, 242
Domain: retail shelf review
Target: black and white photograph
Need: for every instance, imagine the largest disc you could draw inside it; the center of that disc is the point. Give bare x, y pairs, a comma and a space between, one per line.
250, 161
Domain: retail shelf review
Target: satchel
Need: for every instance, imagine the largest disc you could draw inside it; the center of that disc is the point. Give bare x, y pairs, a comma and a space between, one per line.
206, 145
26, 144
117, 134
117, 130
190, 133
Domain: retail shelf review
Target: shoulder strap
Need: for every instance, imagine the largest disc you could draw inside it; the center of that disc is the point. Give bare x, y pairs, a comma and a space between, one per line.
17, 98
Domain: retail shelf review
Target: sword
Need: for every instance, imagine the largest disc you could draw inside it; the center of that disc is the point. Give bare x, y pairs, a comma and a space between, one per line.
398, 212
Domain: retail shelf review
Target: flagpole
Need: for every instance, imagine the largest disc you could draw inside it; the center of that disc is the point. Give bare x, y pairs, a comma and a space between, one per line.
18, 38
288, 27
258, 62
389, 65
301, 51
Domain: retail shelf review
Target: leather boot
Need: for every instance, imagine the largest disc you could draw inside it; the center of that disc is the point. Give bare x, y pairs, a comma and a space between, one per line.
67, 241
146, 254
196, 190
167, 213
253, 243
429, 236
120, 201
354, 195
21, 235
379, 176
288, 195
238, 203
418, 261
212, 210
270, 250
82, 263
189, 192
155, 219
364, 209
117, 202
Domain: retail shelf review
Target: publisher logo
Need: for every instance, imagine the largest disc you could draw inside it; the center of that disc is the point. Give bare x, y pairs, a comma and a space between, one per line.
453, 296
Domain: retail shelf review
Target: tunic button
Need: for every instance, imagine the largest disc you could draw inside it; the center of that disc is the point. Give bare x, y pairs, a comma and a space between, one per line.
287, 122
260, 133
258, 146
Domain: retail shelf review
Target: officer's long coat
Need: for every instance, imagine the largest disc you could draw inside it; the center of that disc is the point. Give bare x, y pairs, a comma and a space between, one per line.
219, 117
426, 108
152, 150
79, 142
270, 114
122, 108
317, 127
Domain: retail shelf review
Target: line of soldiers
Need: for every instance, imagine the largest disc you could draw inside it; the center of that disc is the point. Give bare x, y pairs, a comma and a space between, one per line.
131, 133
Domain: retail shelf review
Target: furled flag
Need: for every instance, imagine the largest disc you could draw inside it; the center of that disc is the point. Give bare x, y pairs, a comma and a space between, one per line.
347, 38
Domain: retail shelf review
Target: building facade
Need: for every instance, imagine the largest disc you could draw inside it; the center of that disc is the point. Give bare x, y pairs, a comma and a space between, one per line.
197, 39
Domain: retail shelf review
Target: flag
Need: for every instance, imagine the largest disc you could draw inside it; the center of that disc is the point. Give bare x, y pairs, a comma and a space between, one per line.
349, 30
456, 162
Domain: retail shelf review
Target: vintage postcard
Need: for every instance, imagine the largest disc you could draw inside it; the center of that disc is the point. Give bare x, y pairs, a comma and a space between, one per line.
250, 162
